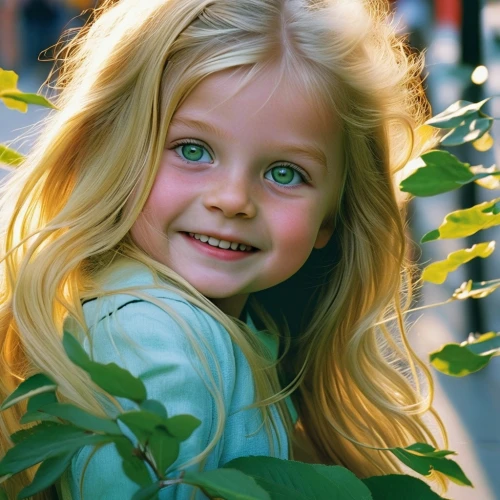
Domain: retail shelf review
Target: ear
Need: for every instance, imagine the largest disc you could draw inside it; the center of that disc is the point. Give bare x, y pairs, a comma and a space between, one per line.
324, 234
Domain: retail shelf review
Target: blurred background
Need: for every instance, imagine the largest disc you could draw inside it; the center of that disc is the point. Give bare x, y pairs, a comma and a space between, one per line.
462, 43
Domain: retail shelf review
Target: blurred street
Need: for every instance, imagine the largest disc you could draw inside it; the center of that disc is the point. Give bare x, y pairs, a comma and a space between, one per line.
470, 406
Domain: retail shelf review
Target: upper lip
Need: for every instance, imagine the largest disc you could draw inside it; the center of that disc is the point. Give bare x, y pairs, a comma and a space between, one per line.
232, 239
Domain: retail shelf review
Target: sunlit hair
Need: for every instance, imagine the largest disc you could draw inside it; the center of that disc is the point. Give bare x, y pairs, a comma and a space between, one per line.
70, 206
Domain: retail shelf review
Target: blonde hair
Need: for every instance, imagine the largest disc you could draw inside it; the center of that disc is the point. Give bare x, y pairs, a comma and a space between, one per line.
73, 201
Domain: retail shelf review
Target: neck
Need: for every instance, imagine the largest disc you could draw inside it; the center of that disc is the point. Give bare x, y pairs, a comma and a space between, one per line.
232, 306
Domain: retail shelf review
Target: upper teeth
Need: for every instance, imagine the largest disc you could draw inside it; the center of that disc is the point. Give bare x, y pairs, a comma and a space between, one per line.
221, 243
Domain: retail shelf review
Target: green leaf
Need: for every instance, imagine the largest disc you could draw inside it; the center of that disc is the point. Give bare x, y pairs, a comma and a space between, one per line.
493, 209
141, 423
469, 131
82, 419
340, 476
279, 477
109, 377
399, 486
45, 398
226, 483
442, 172
46, 475
135, 468
154, 406
10, 156
3, 495
466, 222
430, 462
27, 98
23, 434
147, 492
455, 114
75, 352
118, 381
437, 272
182, 426
34, 404
37, 384
164, 448
42, 442
475, 289
430, 236
459, 360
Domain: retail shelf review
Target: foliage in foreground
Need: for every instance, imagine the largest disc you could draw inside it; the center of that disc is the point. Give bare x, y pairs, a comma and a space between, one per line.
148, 441
440, 172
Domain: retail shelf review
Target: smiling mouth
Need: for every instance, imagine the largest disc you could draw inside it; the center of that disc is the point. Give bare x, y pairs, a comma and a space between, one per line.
222, 244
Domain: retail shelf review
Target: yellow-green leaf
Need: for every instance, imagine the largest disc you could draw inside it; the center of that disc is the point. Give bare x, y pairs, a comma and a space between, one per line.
459, 360
9, 156
8, 82
484, 143
27, 98
490, 181
475, 289
437, 272
462, 223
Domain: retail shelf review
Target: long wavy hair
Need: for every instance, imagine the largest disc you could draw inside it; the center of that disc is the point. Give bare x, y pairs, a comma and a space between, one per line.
68, 209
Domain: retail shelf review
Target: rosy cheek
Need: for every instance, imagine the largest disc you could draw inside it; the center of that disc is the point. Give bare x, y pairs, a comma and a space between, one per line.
169, 190
295, 229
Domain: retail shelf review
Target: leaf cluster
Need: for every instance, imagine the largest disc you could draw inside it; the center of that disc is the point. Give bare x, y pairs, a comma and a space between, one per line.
13, 98
441, 172
148, 442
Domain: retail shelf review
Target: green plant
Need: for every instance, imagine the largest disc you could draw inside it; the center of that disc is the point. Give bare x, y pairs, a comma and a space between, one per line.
463, 122
156, 438
13, 98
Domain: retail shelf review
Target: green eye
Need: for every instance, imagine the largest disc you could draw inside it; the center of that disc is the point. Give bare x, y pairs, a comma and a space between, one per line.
192, 152
283, 174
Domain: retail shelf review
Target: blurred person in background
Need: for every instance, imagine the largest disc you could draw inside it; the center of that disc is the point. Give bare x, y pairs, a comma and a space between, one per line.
9, 48
41, 24
416, 19
29, 28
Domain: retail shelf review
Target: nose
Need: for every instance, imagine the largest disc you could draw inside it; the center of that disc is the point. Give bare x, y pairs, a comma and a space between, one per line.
232, 195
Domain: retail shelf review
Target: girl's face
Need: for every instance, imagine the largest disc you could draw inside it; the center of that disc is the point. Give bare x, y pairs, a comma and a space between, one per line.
254, 169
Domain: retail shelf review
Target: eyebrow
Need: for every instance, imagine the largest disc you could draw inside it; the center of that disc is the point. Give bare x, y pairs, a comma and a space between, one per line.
305, 150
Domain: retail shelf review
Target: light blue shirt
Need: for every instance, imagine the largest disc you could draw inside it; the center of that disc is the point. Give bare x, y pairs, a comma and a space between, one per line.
147, 341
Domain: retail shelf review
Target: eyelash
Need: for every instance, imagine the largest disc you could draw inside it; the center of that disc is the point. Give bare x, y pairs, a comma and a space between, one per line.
302, 173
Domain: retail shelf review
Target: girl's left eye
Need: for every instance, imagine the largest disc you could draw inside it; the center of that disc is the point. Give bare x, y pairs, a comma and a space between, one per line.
285, 175
192, 152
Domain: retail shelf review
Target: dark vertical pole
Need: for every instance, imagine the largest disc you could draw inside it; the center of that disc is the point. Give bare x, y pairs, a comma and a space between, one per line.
472, 56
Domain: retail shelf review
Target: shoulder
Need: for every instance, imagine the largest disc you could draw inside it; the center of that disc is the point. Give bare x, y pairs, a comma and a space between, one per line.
139, 322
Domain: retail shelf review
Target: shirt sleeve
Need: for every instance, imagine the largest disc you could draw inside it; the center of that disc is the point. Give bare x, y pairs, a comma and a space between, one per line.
143, 338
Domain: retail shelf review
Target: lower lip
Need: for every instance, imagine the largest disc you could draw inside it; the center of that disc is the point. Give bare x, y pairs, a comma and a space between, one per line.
216, 252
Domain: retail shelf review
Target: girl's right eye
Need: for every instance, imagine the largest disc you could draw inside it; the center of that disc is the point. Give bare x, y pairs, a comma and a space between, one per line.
192, 152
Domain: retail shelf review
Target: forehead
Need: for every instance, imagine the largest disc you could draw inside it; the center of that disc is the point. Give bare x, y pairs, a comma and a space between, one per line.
265, 101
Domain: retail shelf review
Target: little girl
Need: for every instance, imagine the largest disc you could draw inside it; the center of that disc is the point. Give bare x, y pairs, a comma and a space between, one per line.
212, 208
